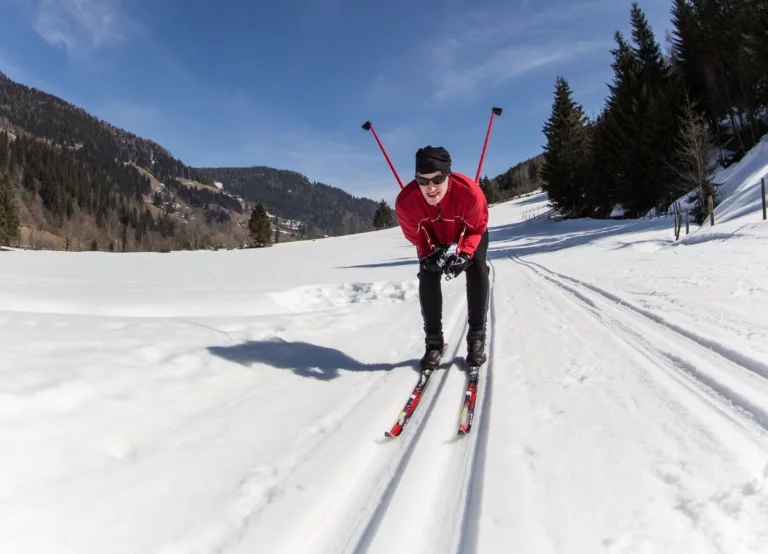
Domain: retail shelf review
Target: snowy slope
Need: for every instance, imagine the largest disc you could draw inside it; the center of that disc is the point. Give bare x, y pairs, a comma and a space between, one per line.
740, 185
201, 402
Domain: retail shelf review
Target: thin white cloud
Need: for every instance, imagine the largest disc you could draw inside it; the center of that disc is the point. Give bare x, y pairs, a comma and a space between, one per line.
498, 44
507, 64
80, 26
506, 44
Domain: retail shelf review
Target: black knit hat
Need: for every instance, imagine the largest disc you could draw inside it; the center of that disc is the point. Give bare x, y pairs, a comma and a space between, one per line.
432, 158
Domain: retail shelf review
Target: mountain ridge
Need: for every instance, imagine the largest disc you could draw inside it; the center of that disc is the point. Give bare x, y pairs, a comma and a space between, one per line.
106, 153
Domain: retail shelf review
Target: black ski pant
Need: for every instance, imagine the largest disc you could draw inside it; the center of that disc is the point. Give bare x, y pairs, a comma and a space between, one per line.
431, 295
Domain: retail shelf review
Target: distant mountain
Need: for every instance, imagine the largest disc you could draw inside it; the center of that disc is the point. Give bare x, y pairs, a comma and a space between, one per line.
291, 195
84, 183
26, 110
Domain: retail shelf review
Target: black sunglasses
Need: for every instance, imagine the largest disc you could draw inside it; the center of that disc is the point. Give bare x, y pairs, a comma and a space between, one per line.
437, 179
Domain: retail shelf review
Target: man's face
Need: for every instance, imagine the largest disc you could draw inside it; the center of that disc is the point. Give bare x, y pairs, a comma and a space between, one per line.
433, 192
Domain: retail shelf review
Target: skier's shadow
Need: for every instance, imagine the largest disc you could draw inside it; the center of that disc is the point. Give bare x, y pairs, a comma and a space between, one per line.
303, 358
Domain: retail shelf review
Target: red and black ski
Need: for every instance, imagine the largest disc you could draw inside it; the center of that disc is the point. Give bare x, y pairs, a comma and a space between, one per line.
413, 400
470, 397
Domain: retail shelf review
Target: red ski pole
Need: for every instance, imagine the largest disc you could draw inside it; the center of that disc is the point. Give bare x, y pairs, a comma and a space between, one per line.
494, 112
368, 126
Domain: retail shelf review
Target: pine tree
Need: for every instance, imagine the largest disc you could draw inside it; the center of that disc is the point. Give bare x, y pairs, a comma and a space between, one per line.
731, 80
639, 124
619, 126
259, 228
383, 218
600, 193
657, 112
749, 20
646, 50
490, 189
687, 49
9, 215
755, 44
566, 167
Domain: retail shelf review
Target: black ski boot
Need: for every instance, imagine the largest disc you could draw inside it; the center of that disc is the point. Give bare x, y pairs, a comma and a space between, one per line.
476, 348
433, 353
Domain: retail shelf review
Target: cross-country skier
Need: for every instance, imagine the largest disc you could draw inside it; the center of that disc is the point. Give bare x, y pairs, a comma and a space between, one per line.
437, 209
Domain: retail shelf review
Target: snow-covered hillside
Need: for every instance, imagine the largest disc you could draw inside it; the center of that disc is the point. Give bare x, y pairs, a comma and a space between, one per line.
236, 401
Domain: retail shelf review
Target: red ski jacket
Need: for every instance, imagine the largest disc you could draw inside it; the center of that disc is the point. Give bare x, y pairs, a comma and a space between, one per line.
461, 217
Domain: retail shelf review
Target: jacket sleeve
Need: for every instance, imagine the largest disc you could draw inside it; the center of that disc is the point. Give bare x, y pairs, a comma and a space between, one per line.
410, 228
476, 223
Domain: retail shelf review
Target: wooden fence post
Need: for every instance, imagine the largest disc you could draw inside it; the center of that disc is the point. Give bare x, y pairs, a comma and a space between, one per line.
675, 219
687, 217
711, 211
762, 187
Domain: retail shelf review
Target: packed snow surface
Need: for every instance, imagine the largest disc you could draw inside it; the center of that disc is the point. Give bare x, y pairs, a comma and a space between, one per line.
236, 401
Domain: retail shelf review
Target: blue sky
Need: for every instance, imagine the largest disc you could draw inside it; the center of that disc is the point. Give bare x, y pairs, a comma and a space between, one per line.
288, 84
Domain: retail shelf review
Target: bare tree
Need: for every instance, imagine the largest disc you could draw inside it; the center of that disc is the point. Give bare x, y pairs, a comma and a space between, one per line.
194, 234
694, 160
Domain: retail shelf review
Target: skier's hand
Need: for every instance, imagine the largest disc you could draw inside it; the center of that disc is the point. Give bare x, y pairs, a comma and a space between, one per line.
435, 261
456, 264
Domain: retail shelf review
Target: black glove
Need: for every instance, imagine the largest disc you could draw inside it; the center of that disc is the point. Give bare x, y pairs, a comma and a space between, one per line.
435, 261
456, 264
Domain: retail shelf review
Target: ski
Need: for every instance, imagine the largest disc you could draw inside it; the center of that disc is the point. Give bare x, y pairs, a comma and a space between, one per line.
414, 399
470, 396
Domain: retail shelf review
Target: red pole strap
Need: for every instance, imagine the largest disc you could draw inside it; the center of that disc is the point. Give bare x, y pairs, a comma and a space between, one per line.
494, 112
368, 126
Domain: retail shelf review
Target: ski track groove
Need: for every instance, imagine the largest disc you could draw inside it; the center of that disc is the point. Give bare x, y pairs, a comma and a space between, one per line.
724, 423
257, 504
470, 528
359, 519
745, 362
463, 511
248, 506
410, 436
750, 414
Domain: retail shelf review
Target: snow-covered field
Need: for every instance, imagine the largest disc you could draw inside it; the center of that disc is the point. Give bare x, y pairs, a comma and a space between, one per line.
236, 402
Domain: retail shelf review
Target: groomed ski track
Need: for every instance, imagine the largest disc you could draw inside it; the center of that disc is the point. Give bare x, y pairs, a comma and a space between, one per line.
730, 383
674, 403
602, 425
632, 444
381, 497
438, 468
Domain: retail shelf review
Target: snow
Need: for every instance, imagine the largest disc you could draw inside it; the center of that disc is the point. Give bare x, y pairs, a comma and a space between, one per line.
741, 185
236, 401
